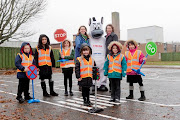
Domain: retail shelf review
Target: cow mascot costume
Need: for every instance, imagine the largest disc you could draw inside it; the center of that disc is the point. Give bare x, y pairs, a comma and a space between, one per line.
97, 43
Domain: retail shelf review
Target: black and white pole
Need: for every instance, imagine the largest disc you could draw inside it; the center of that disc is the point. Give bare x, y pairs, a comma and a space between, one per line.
95, 109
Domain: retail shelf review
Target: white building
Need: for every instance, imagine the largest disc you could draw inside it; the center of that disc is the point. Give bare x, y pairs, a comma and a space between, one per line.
146, 34
17, 44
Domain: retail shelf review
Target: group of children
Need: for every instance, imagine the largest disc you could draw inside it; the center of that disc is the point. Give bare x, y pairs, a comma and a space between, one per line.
116, 66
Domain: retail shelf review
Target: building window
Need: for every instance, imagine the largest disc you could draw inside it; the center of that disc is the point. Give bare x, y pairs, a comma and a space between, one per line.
165, 47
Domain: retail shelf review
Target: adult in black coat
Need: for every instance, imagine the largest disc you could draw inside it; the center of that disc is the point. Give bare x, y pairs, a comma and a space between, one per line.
111, 36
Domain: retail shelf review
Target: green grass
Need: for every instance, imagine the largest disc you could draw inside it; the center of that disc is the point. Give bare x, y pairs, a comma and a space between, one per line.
163, 63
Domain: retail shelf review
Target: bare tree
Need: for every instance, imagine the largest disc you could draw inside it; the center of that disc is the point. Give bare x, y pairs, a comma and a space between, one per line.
14, 14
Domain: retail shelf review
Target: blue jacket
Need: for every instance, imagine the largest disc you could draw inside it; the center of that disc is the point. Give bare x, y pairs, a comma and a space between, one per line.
18, 61
115, 74
78, 41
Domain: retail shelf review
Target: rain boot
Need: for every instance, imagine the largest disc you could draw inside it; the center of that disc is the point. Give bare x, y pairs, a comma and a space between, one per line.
142, 98
51, 86
131, 96
43, 86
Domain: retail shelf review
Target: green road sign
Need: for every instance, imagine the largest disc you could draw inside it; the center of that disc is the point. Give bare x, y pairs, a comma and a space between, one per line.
151, 48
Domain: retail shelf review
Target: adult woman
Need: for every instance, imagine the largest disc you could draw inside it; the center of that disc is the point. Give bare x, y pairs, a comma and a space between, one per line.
111, 36
82, 37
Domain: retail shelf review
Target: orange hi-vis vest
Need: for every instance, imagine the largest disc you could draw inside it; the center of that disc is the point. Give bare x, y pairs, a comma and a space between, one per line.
69, 63
26, 61
115, 63
133, 61
44, 57
86, 67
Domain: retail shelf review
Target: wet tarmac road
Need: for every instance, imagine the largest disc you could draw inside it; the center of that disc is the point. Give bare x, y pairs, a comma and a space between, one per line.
161, 90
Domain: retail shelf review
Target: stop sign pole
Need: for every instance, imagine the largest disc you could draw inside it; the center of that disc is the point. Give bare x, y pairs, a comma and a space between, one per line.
60, 35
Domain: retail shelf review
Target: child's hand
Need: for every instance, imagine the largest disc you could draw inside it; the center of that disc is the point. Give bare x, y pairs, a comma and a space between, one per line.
26, 69
145, 58
62, 56
79, 79
38, 71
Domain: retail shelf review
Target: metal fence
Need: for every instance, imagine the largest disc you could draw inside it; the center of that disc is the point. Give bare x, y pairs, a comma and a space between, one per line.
174, 56
8, 55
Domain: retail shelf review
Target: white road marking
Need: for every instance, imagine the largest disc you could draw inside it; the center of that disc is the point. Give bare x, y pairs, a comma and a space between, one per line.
99, 101
122, 100
158, 104
76, 109
75, 105
8, 81
4, 85
110, 105
81, 103
102, 98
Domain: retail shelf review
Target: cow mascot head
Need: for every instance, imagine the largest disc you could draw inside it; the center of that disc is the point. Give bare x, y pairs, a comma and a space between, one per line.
97, 43
96, 29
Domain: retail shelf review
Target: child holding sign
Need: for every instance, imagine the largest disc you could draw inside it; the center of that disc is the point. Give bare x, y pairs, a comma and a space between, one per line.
115, 68
23, 60
67, 66
84, 71
134, 60
45, 61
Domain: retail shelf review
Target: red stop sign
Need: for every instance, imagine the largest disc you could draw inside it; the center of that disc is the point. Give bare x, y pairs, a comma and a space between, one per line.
60, 35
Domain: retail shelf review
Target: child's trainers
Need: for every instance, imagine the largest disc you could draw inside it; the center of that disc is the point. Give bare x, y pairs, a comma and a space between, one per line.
117, 101
86, 103
111, 100
66, 93
28, 98
20, 99
90, 103
71, 93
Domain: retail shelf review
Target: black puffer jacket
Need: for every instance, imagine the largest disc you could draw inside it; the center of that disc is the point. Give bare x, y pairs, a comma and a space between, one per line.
109, 39
45, 70
85, 82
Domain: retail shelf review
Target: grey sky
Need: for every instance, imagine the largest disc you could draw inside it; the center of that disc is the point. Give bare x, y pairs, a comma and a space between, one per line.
70, 14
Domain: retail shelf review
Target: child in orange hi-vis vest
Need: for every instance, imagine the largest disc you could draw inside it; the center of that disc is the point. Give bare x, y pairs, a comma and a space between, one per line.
115, 68
67, 66
134, 60
23, 60
45, 61
84, 71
